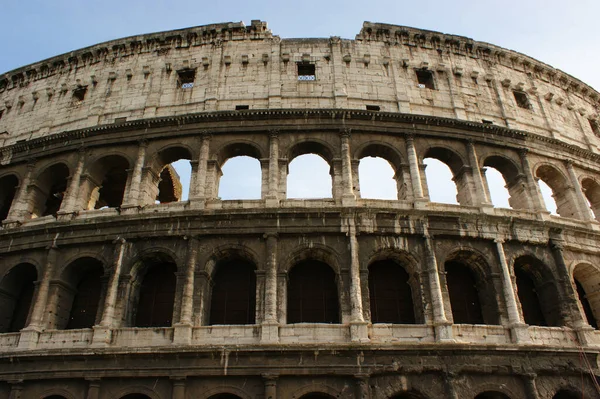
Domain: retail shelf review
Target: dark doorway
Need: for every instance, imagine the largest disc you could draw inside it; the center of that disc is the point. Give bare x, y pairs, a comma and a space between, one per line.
464, 295
157, 296
390, 294
233, 293
312, 294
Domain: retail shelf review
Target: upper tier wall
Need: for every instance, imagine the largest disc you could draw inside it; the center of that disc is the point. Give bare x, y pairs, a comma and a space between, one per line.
139, 77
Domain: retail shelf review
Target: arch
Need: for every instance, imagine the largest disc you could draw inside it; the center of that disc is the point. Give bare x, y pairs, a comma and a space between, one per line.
233, 297
241, 178
137, 392
57, 393
315, 388
8, 190
106, 182
169, 186
390, 294
313, 251
49, 190
237, 149
587, 284
456, 165
17, 289
492, 395
591, 190
312, 293
78, 297
380, 150
224, 389
558, 183
224, 396
514, 180
537, 292
154, 291
319, 148
448, 156
379, 180
567, 394
310, 176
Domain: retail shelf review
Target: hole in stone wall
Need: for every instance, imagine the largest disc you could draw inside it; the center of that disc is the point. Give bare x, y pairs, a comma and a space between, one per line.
373, 108
309, 177
522, 99
241, 107
186, 78
440, 182
377, 179
79, 94
499, 195
242, 179
306, 71
593, 125
425, 78
585, 304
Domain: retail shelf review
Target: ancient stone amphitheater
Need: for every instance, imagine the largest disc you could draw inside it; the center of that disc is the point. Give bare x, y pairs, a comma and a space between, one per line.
113, 287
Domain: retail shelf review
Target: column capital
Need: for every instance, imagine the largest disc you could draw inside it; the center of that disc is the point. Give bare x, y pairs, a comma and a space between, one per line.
119, 240
270, 235
274, 134
206, 135
499, 240
345, 132
143, 143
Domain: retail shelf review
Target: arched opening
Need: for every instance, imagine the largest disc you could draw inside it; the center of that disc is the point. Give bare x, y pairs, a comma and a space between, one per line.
491, 395
107, 182
390, 294
310, 171
156, 292
587, 283
233, 299
136, 396
16, 288
464, 294
242, 179
224, 396
174, 171
49, 190
565, 204
78, 295
312, 293
8, 189
591, 190
377, 179
317, 395
567, 394
538, 295
446, 178
548, 197
408, 395
506, 186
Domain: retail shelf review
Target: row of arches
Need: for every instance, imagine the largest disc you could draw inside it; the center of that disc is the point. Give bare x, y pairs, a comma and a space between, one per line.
115, 180
313, 292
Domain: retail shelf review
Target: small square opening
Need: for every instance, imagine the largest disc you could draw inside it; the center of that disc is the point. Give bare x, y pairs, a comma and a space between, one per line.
593, 124
373, 108
425, 79
241, 107
186, 78
1, 113
522, 100
121, 119
306, 71
79, 94
487, 121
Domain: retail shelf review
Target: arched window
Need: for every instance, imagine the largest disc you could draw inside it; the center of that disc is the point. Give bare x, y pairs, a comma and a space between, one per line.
156, 293
567, 394
565, 203
507, 187
548, 197
440, 183
241, 179
50, 189
8, 189
312, 294
591, 189
174, 172
587, 283
409, 395
585, 304
464, 294
496, 185
377, 179
111, 174
233, 298
309, 177
491, 395
390, 294
538, 295
17, 288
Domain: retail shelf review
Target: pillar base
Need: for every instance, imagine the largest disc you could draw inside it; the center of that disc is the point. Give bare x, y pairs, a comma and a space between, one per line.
196, 203
182, 334
102, 336
269, 333
519, 334
129, 209
65, 216
348, 200
420, 203
10, 223
29, 338
359, 331
443, 332
586, 336
272, 202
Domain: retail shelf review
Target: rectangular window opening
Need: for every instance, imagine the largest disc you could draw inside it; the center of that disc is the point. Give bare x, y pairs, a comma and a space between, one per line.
487, 121
79, 94
306, 71
522, 100
121, 119
186, 78
373, 108
425, 79
593, 124
1, 113
241, 107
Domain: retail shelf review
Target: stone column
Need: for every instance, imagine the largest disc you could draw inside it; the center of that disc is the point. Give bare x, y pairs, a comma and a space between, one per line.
480, 191
20, 205
270, 381
132, 198
93, 388
70, 200
201, 298
199, 179
534, 190
443, 328
272, 199
355, 178
450, 381
518, 327
183, 329
358, 326
530, 386
178, 387
348, 197
362, 386
415, 171
585, 212
270, 326
16, 387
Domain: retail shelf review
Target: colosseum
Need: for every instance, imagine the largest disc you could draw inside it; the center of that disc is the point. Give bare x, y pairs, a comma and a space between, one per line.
115, 283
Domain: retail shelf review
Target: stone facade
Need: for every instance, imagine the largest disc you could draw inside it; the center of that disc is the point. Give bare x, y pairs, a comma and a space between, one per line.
108, 293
